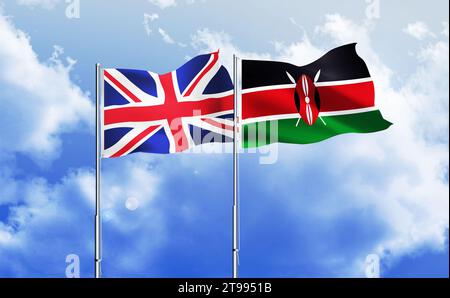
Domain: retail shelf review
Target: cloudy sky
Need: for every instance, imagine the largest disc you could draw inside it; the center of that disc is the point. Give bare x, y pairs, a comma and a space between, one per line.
318, 211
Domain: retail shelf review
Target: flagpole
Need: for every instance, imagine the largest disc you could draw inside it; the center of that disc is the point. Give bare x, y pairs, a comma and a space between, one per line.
235, 174
97, 245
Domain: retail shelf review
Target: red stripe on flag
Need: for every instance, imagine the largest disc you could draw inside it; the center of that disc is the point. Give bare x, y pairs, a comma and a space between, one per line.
171, 105
268, 102
332, 98
165, 111
121, 87
205, 71
346, 97
134, 141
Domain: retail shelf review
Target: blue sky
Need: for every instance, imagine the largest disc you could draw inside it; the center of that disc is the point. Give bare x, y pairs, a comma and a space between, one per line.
318, 211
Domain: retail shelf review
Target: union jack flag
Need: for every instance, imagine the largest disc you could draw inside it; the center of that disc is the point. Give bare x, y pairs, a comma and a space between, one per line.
148, 112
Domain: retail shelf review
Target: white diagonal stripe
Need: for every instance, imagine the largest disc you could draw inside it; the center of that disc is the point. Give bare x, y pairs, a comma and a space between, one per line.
138, 128
143, 96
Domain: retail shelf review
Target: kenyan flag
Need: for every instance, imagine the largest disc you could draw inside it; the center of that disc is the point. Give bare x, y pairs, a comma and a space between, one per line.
285, 103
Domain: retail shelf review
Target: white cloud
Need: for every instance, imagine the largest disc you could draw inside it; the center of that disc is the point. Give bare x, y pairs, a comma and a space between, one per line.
39, 99
409, 193
418, 30
7, 186
299, 53
342, 31
47, 4
163, 3
46, 212
152, 16
147, 19
39, 102
5, 234
165, 36
205, 40
410, 199
45, 209
163, 33
413, 201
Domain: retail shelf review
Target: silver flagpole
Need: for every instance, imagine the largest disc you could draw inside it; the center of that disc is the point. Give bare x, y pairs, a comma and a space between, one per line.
97, 245
235, 172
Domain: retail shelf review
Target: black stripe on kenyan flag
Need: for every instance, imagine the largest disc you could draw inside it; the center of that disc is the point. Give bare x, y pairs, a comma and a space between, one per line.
342, 63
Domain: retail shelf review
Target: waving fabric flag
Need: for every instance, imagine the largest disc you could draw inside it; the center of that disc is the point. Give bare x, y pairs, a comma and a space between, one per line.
148, 112
331, 96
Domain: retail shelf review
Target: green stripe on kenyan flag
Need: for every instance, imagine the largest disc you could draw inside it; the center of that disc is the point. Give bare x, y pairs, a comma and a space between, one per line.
261, 133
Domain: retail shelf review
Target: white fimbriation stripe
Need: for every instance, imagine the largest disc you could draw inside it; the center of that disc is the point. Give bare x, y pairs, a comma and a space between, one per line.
118, 90
348, 112
215, 95
143, 96
220, 131
132, 124
171, 136
205, 125
318, 84
128, 138
166, 126
201, 85
176, 87
266, 88
220, 120
159, 87
124, 140
201, 97
295, 115
270, 118
142, 140
204, 81
343, 82
211, 58
197, 96
187, 133
133, 105
212, 115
